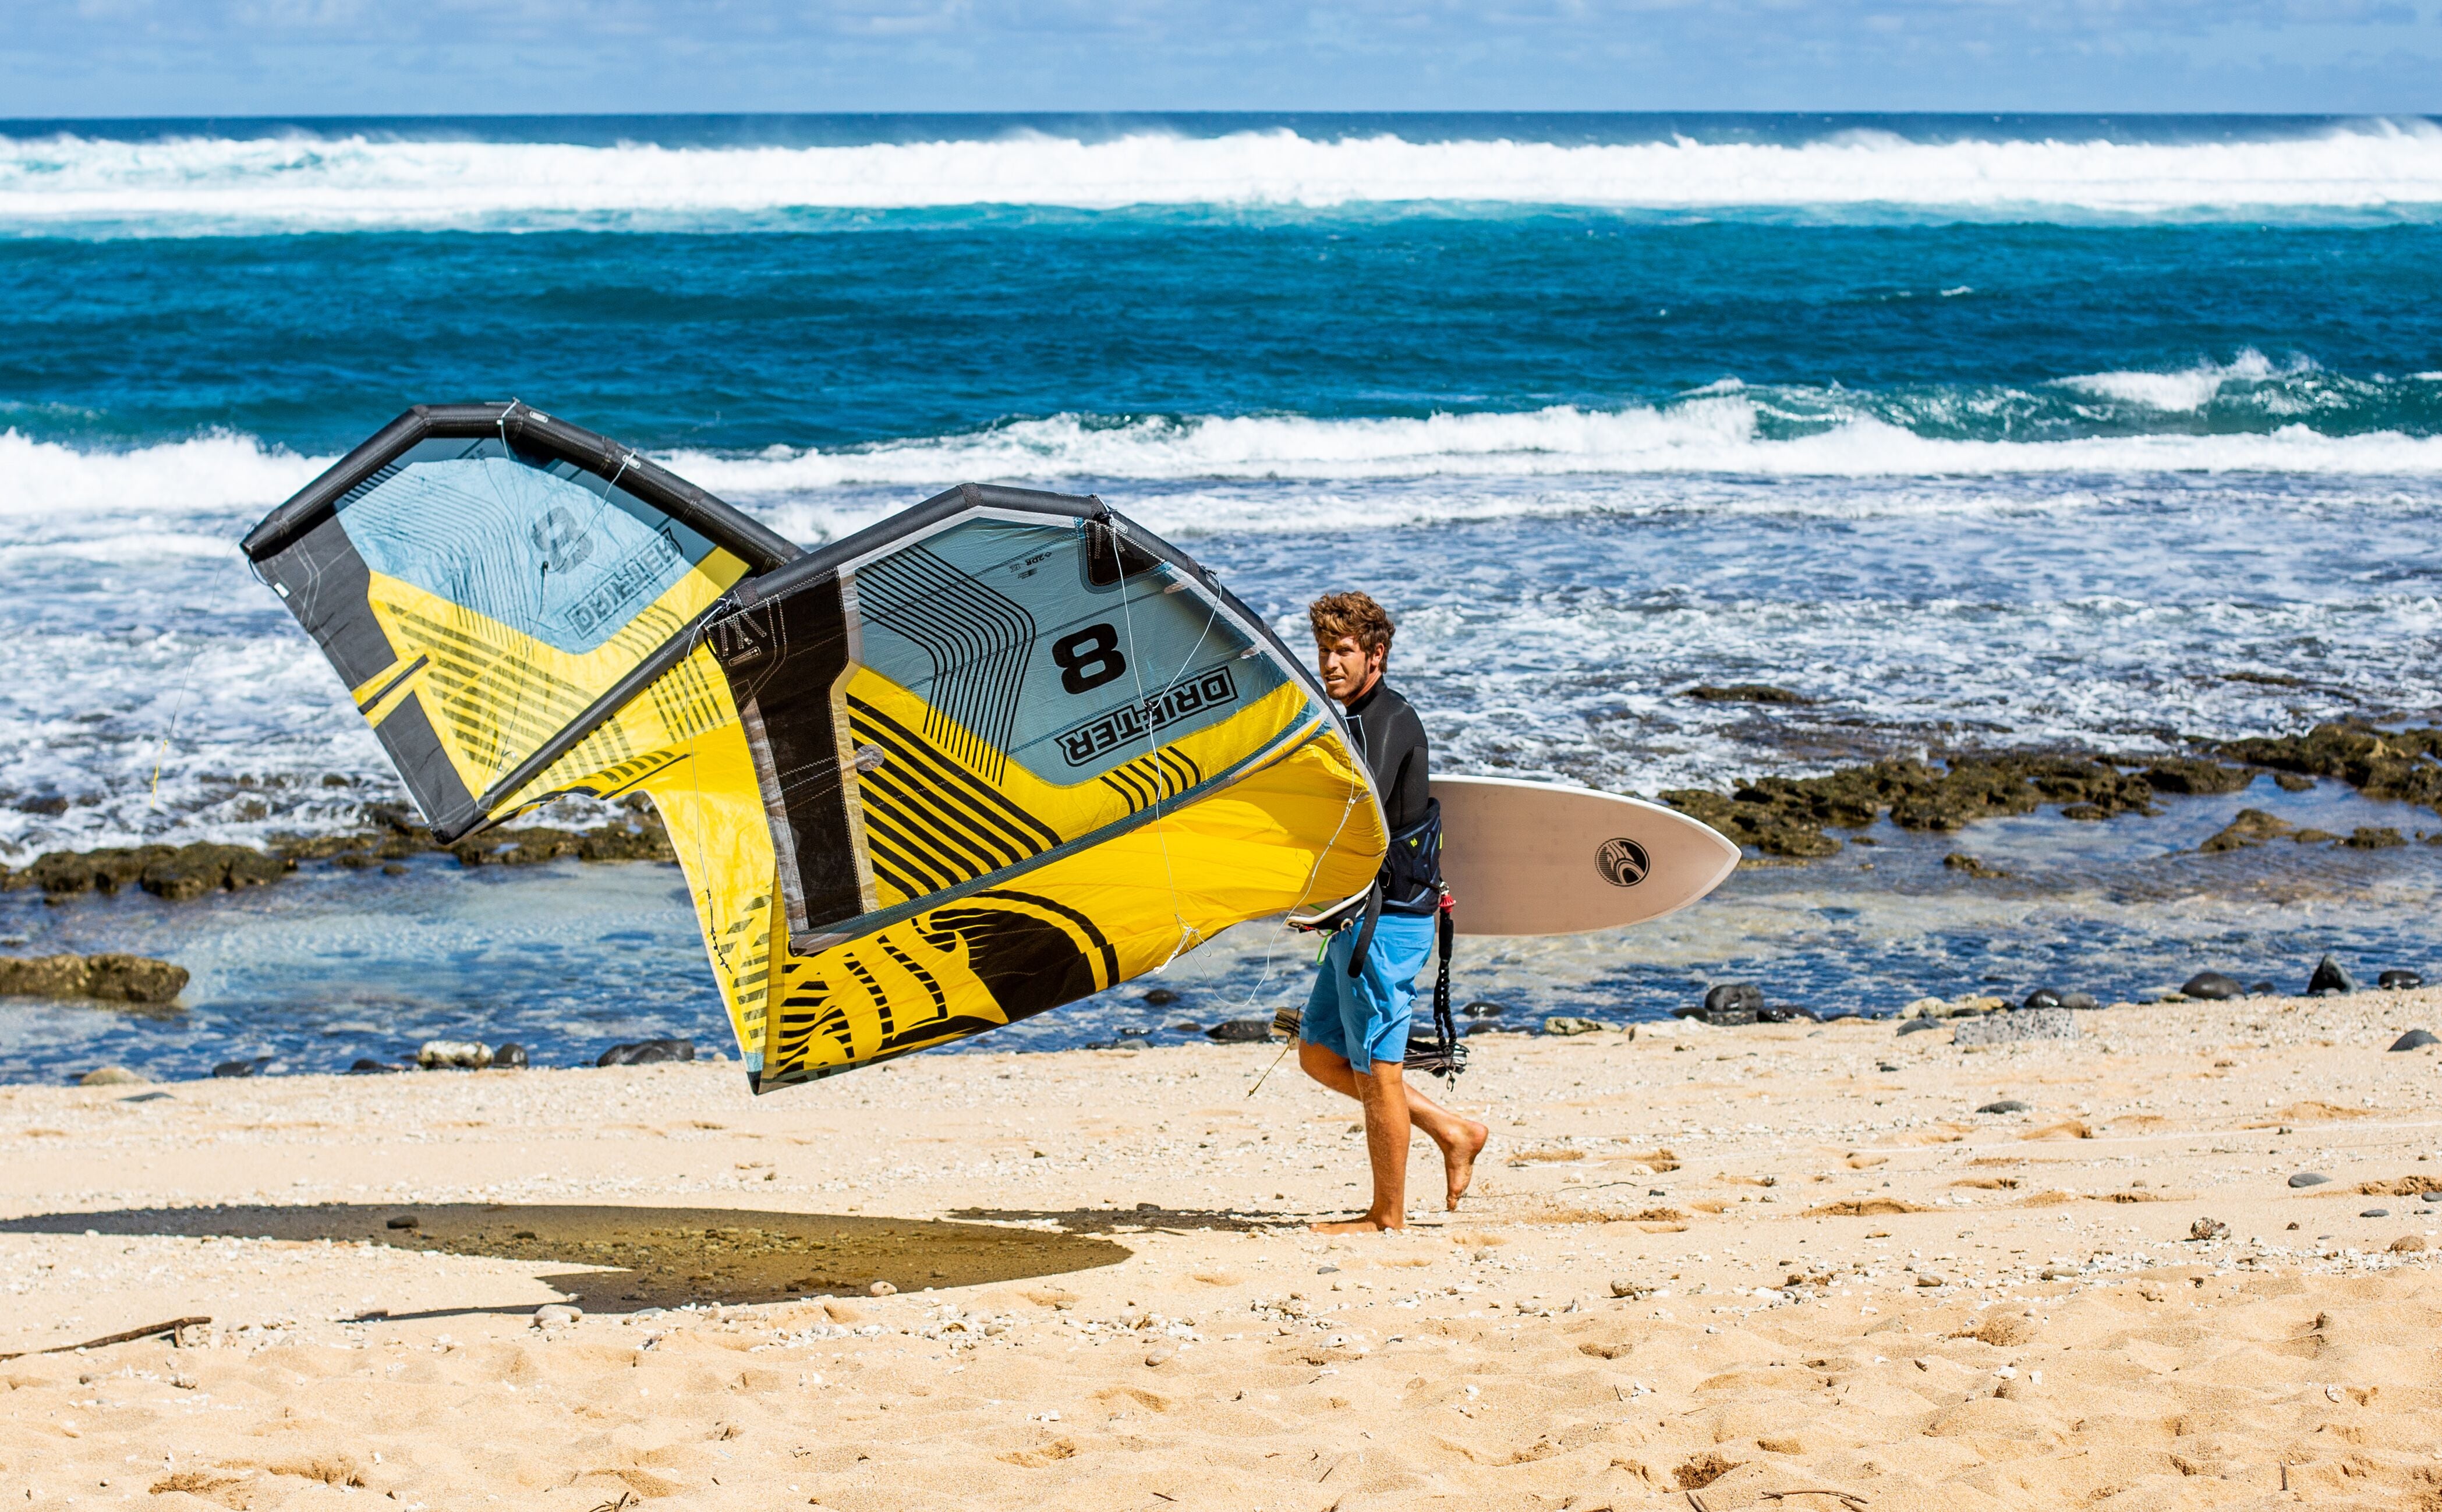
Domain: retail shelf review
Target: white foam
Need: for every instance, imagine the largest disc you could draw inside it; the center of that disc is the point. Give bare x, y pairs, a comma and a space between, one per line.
2181, 393
1717, 433
1714, 434
216, 471
305, 181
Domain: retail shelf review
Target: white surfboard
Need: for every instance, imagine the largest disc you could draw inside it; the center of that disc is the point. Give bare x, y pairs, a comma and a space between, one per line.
1543, 858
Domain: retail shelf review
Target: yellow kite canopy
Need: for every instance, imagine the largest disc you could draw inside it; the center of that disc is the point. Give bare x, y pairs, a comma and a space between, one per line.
997, 753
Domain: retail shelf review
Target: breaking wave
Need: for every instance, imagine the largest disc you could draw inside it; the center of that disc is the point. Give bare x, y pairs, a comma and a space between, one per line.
364, 180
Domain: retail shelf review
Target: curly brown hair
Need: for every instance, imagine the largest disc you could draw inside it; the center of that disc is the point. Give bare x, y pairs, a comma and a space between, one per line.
1334, 615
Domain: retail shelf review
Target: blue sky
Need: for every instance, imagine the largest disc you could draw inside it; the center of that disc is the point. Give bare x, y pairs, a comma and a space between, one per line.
102, 58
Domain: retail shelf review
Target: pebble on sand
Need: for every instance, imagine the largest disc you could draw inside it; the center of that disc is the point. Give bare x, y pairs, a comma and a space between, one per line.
2213, 986
406, 1220
2007, 1104
2330, 976
2375, 1212
556, 1315
2415, 1039
1240, 1031
2400, 982
649, 1052
881, 1288
435, 1055
2204, 1228
2308, 1178
112, 1076
1564, 1024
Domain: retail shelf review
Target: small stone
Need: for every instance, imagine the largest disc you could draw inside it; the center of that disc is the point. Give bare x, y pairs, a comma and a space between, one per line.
556, 1315
435, 1055
1912, 1026
1979, 868
391, 868
2261, 990
406, 1220
2375, 1212
2415, 1039
2007, 1104
881, 1288
2408, 1244
511, 1055
1482, 1008
2330, 976
2429, 1196
2308, 1178
2042, 997
366, 1065
1928, 1279
1162, 1352
2373, 837
1187, 1026
1885, 1065
112, 1076
1161, 997
1240, 1031
2213, 986
649, 1052
1731, 998
237, 1067
1622, 1286
2204, 1228
2080, 1002
1925, 1007
2293, 782
2400, 982
1564, 1024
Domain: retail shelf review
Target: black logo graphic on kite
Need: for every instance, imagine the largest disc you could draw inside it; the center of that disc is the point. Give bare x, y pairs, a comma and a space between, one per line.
562, 541
1624, 861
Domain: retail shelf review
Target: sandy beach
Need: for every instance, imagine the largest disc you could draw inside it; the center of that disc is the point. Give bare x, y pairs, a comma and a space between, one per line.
1784, 1267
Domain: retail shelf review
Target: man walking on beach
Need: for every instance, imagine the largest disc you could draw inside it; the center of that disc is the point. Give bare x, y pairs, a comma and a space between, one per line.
1353, 1037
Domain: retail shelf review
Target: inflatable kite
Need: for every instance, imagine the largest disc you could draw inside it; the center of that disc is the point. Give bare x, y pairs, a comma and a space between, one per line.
1000, 752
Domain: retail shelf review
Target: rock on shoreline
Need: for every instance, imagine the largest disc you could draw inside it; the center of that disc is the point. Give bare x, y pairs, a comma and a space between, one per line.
181, 873
110, 977
1787, 816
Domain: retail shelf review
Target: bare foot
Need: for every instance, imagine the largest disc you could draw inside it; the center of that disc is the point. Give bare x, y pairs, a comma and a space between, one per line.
1458, 1162
1369, 1224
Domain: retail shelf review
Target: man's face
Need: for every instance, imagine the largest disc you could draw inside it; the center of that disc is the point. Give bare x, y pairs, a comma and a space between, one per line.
1348, 669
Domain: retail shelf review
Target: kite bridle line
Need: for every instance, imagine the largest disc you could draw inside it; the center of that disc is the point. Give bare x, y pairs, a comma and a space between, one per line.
1136, 670
1346, 809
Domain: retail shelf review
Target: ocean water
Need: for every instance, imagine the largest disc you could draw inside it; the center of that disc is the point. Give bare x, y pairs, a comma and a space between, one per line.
2033, 433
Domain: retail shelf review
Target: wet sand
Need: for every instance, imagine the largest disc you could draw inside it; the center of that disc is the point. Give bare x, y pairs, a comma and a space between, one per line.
1786, 1266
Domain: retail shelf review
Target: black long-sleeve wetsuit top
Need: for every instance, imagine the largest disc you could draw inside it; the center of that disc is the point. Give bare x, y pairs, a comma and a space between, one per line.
1392, 739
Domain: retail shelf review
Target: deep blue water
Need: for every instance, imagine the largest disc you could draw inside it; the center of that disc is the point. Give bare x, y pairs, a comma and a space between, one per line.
2114, 433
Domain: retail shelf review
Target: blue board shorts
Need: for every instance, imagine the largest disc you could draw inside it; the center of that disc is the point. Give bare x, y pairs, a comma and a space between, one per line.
1364, 1018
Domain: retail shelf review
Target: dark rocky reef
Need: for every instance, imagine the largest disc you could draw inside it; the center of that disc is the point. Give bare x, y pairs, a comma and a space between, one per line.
178, 873
2404, 765
1743, 693
1788, 816
111, 978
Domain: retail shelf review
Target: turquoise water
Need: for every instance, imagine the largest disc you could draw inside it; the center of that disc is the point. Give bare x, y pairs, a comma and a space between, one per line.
1998, 432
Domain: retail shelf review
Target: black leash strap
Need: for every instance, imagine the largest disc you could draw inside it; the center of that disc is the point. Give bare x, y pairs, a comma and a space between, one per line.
1447, 1057
1365, 932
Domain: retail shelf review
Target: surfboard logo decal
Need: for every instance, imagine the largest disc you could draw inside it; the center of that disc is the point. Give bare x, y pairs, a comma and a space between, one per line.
1624, 861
